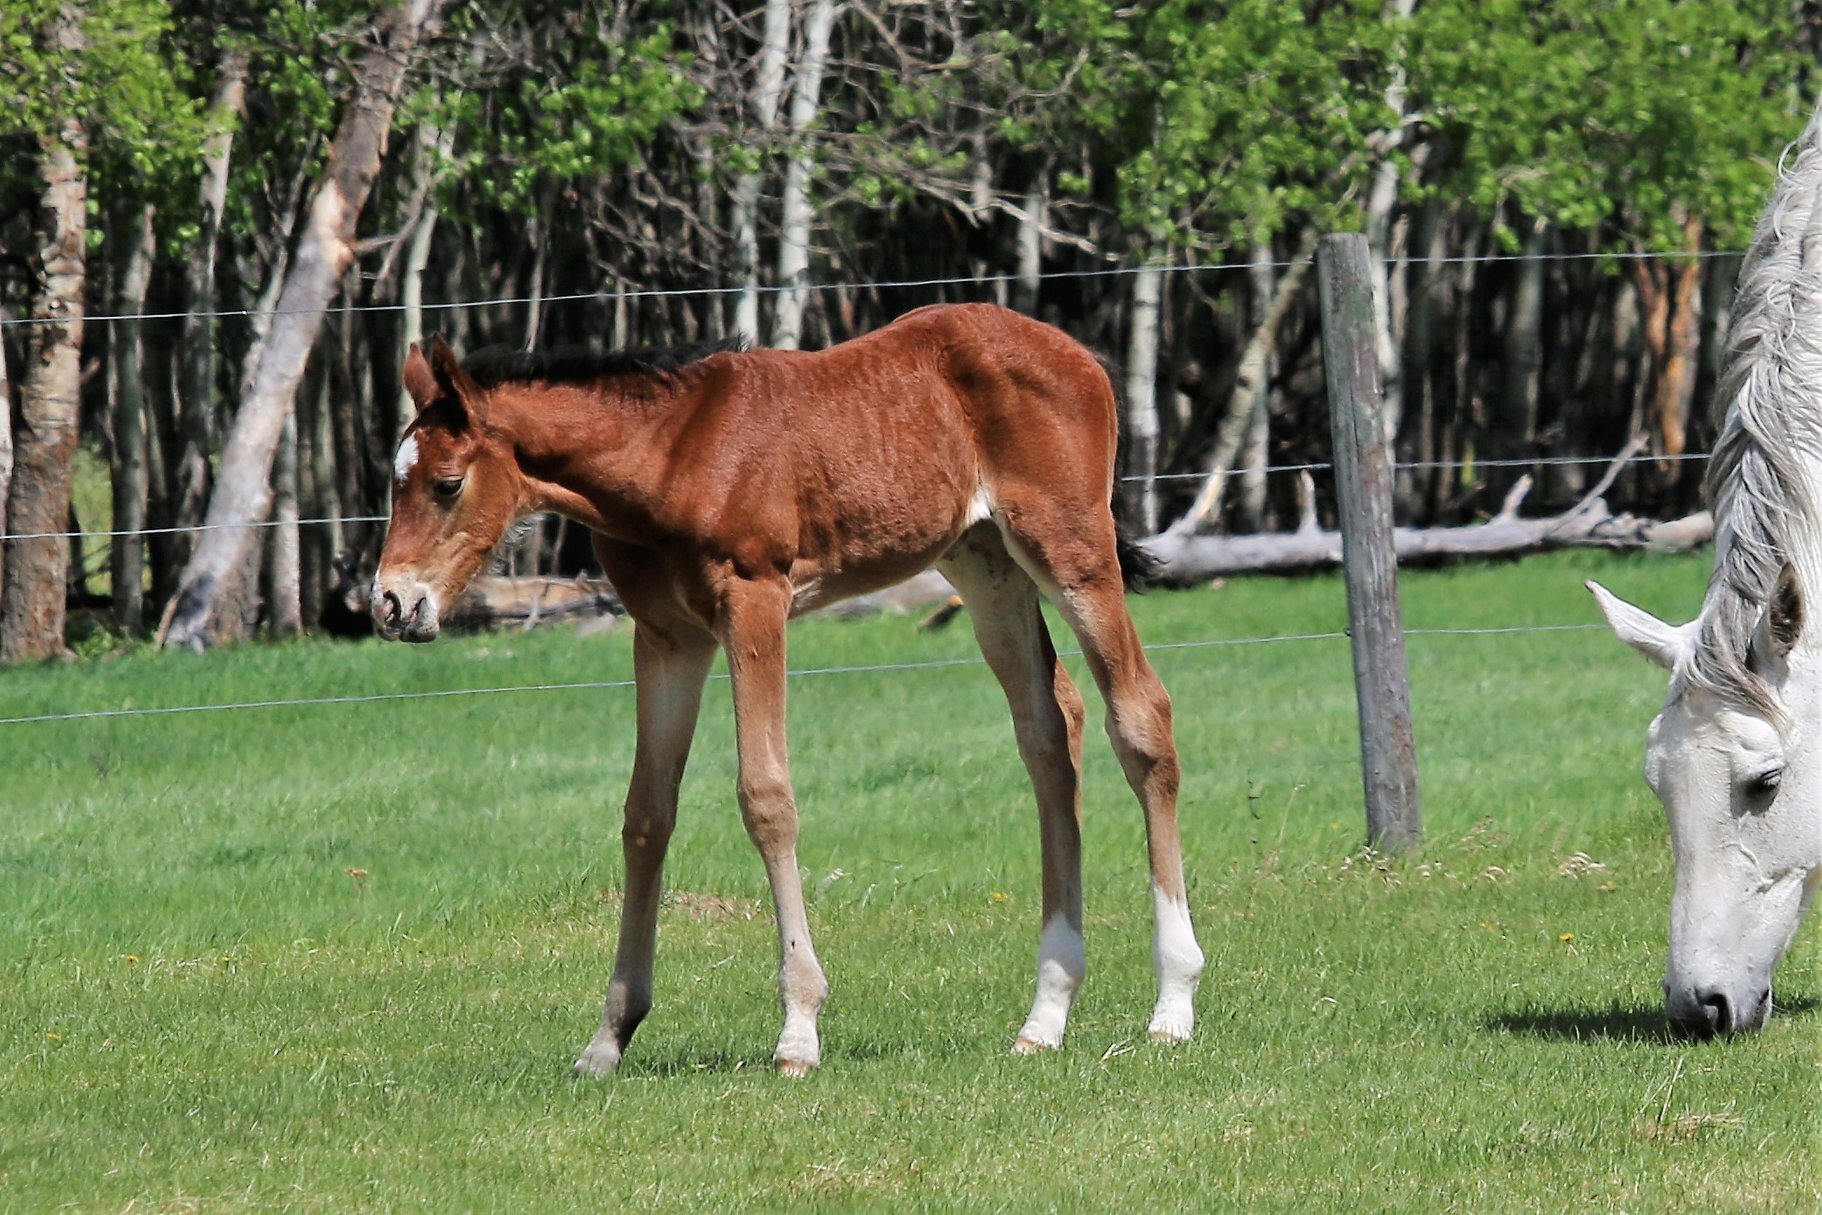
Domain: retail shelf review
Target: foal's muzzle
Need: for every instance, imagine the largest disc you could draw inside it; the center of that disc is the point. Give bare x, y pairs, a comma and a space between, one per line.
406, 611
1703, 1013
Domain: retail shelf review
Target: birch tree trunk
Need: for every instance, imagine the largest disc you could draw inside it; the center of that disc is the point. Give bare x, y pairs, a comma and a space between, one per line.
284, 550
1257, 448
433, 146
6, 451
243, 493
32, 596
794, 237
1255, 361
1140, 489
196, 404
1381, 200
1523, 339
126, 561
1031, 244
1415, 487
768, 89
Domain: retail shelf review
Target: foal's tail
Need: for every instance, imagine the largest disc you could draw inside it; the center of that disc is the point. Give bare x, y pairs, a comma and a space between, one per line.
1140, 568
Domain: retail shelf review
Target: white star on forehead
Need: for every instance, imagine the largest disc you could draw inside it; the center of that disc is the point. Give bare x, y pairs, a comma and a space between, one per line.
406, 459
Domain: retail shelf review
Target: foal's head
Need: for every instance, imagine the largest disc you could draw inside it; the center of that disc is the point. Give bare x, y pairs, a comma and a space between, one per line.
456, 489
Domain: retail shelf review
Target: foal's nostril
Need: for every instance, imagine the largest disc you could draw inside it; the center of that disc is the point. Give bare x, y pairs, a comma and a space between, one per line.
390, 609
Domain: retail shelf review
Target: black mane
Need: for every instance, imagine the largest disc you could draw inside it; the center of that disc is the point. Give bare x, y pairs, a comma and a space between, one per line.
581, 365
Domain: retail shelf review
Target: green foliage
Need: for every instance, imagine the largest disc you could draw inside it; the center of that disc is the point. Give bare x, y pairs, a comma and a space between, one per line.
1620, 118
297, 72
573, 100
339, 957
128, 84
1261, 116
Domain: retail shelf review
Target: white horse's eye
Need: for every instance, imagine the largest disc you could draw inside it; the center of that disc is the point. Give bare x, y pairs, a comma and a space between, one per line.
1762, 786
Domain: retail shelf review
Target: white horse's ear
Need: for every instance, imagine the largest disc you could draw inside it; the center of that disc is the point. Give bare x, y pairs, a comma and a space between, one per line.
1664, 644
1782, 623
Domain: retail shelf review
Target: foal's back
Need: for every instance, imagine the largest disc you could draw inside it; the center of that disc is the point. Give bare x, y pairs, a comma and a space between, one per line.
862, 463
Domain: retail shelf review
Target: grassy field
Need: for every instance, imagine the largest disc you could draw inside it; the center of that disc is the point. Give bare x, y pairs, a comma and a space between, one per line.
339, 958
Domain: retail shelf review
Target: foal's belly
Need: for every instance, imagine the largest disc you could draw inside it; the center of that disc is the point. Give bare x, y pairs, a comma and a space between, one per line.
815, 585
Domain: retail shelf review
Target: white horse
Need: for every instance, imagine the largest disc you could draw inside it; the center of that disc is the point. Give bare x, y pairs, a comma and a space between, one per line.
1736, 753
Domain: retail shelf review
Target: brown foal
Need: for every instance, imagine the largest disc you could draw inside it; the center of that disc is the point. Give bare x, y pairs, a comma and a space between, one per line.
730, 490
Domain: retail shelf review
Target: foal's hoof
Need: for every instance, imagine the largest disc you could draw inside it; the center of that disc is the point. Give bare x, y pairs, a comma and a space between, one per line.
598, 1061
797, 1069
1028, 1045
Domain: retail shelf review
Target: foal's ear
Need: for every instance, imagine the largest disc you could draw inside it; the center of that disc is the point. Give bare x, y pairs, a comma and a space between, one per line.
420, 381
455, 384
1781, 625
1664, 644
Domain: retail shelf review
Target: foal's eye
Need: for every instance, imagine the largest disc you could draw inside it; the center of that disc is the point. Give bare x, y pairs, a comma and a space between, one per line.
446, 487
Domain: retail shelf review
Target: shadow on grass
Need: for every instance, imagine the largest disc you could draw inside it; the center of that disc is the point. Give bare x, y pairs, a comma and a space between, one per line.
1615, 1023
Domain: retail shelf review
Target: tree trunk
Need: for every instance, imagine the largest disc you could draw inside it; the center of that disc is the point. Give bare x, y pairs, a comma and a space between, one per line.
1426, 283
1256, 449
1382, 198
768, 89
1255, 361
126, 562
1523, 340
6, 452
284, 571
794, 238
196, 404
1141, 487
1676, 383
243, 493
318, 545
1717, 318
538, 234
432, 147
1031, 244
32, 597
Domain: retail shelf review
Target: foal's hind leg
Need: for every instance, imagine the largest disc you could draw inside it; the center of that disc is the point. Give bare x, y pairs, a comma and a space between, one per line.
1073, 557
1047, 719
669, 670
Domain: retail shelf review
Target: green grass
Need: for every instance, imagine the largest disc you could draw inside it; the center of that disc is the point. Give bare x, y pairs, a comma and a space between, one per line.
339, 958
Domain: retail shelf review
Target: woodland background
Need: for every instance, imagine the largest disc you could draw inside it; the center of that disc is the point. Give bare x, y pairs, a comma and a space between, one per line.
222, 222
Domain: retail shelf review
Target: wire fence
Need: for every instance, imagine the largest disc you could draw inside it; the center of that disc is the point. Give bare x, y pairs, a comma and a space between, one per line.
1323, 466
975, 280
800, 673
699, 292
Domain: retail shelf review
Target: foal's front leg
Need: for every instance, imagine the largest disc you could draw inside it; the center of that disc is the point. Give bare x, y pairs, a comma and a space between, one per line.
753, 633
669, 669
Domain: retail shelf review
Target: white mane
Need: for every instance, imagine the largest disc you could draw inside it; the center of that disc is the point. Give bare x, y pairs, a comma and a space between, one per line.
1769, 454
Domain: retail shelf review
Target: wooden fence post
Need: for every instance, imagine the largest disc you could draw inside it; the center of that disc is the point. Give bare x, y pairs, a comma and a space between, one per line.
1363, 478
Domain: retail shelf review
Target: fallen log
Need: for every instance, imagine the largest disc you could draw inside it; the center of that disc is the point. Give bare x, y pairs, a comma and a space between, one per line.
1590, 523
494, 602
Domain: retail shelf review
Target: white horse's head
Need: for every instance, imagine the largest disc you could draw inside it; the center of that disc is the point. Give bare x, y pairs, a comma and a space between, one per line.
1740, 777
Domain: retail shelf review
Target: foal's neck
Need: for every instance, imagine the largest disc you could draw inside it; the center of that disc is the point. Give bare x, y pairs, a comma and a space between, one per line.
593, 452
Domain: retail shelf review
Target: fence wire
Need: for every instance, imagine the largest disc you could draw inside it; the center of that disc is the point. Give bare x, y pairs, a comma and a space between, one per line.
800, 673
975, 280
1513, 462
